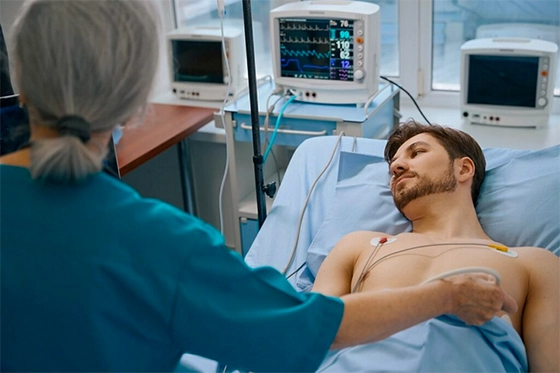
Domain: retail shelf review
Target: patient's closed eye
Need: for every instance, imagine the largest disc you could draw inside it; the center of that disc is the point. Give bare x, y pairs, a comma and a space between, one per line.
417, 152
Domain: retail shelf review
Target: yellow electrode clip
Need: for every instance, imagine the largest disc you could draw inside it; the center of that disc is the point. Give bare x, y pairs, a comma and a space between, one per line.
498, 247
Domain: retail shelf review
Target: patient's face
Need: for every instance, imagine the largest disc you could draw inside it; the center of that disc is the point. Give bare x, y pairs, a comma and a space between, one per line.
420, 167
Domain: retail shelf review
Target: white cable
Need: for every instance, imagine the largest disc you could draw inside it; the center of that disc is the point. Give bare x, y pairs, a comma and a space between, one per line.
260, 82
222, 116
460, 271
269, 110
368, 102
300, 219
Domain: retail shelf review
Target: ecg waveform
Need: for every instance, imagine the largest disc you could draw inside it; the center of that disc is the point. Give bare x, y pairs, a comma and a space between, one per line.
301, 26
296, 53
302, 40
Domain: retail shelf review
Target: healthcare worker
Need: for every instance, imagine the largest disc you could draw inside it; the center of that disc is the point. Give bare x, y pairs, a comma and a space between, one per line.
97, 278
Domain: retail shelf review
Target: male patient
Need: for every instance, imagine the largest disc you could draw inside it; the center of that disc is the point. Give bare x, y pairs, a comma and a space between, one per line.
436, 174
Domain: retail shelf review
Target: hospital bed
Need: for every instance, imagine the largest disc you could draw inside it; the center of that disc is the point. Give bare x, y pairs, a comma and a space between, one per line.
337, 185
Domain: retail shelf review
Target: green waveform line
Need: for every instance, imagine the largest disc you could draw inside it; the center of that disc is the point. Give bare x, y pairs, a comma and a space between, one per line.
305, 53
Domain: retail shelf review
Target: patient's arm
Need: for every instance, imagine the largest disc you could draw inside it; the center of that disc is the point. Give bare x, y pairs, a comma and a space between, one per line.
541, 326
335, 275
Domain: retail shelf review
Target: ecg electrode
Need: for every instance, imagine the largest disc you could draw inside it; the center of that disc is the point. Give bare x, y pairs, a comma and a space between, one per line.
317, 48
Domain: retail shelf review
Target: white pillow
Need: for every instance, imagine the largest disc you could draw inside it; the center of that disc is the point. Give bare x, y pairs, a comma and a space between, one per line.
519, 201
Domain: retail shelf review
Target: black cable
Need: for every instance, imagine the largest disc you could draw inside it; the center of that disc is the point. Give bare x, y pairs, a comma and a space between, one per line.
297, 270
409, 95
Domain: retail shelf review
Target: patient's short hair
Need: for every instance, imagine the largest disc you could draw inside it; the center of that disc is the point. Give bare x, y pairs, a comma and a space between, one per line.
457, 143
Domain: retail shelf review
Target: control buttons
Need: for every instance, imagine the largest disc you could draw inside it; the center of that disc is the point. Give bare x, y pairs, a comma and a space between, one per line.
359, 74
542, 101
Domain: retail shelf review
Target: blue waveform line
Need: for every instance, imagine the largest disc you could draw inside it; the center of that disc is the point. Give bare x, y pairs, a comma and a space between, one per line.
304, 66
305, 53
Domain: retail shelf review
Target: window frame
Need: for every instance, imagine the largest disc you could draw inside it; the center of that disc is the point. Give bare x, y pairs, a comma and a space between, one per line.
425, 95
415, 53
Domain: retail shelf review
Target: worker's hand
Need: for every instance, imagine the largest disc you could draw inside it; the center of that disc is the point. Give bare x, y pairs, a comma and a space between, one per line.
477, 298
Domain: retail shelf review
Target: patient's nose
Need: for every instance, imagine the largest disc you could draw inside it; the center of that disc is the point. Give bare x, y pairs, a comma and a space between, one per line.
398, 167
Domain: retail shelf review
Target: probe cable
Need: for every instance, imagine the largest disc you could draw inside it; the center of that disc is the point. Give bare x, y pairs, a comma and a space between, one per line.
461, 271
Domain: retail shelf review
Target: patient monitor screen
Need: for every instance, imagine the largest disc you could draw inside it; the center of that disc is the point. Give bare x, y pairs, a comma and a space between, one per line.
197, 61
501, 80
317, 48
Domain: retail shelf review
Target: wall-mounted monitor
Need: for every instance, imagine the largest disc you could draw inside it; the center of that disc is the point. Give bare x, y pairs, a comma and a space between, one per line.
327, 51
507, 81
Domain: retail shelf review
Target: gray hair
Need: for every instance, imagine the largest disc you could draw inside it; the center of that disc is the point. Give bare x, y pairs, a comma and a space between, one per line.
95, 59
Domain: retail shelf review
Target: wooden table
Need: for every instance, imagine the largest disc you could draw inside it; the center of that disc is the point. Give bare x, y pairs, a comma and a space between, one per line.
163, 127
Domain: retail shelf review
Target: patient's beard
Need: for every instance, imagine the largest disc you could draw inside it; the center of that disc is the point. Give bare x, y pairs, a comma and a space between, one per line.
425, 186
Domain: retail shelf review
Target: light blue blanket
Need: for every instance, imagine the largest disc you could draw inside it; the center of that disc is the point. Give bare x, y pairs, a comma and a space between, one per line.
444, 344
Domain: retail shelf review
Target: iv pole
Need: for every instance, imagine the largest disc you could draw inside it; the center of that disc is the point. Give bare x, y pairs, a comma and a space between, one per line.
254, 107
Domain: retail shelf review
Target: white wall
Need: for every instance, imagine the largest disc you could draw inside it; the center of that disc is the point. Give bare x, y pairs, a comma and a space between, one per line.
10, 8
8, 12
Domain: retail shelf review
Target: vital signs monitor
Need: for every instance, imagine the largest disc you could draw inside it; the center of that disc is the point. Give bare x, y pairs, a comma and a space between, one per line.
197, 67
508, 81
327, 51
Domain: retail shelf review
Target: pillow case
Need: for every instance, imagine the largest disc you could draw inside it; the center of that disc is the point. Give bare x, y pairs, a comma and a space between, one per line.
518, 205
519, 202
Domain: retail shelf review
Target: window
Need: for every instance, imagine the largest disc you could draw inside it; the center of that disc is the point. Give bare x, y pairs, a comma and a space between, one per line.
420, 40
203, 12
457, 21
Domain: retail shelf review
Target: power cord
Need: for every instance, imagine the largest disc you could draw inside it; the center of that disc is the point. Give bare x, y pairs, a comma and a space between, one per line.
221, 13
409, 95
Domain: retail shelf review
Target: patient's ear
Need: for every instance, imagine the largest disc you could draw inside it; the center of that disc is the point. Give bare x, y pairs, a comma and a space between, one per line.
466, 168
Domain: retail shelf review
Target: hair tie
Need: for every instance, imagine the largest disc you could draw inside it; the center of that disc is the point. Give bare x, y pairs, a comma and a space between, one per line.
74, 125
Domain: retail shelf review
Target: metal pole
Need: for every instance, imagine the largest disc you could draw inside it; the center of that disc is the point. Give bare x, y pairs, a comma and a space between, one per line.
253, 98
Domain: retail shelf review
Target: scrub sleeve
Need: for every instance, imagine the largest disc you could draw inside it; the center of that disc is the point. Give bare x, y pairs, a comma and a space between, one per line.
249, 318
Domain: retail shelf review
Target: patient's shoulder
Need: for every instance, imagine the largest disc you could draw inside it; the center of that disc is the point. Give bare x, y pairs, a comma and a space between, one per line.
531, 253
356, 241
538, 261
365, 236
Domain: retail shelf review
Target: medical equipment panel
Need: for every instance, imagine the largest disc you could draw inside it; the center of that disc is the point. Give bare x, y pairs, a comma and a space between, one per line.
197, 68
507, 81
299, 122
326, 51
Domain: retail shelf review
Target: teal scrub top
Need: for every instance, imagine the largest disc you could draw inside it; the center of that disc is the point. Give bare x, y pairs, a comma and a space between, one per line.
96, 278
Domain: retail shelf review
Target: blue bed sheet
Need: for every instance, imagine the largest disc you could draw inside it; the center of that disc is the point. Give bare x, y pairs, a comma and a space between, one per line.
444, 344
